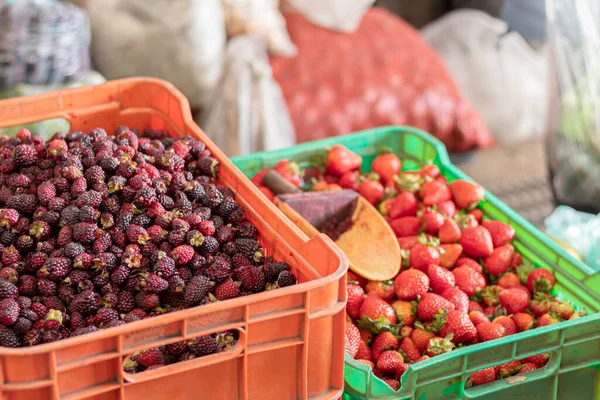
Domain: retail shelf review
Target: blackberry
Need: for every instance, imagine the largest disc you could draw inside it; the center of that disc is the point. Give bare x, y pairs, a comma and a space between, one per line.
23, 203
88, 214
105, 261
177, 284
77, 321
247, 247
76, 277
11, 255
8, 290
204, 345
46, 192
196, 289
69, 215
25, 155
197, 262
95, 174
142, 220
56, 268
102, 243
226, 191
126, 302
154, 284
79, 186
147, 301
236, 216
108, 164
240, 260
246, 230
145, 196
273, 268
86, 303
229, 248
24, 302
51, 217
251, 278
106, 315
101, 278
54, 303
219, 269
166, 201
194, 191
182, 202
66, 293
82, 261
213, 198
7, 238
286, 278
176, 237
184, 273
24, 243
31, 338
22, 325
226, 207
135, 315
73, 249
176, 349
85, 232
9, 311
120, 274
115, 322
207, 166
8, 338
90, 198
165, 267
84, 330
217, 221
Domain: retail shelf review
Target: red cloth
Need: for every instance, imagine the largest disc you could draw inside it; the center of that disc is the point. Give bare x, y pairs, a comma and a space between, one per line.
382, 74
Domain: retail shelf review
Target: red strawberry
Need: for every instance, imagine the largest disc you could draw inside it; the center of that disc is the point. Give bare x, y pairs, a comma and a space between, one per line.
509, 369
432, 221
528, 367
352, 276
563, 309
349, 180
477, 241
371, 190
421, 338
407, 242
403, 205
458, 298
402, 370
490, 295
474, 306
382, 342
469, 262
482, 377
406, 226
421, 256
366, 362
386, 166
500, 260
449, 255
540, 304
410, 349
375, 308
410, 284
477, 214
364, 351
460, 326
539, 359
431, 170
433, 192
447, 208
449, 232
438, 346
466, 194
440, 278
355, 299
478, 317
501, 232
290, 171
432, 304
468, 280
508, 324
548, 319
393, 383
490, 331
540, 280
514, 300
384, 289
509, 280
517, 260
341, 160
352, 339
406, 312
389, 362
406, 331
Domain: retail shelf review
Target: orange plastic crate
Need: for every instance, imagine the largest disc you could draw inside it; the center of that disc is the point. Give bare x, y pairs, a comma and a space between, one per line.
291, 342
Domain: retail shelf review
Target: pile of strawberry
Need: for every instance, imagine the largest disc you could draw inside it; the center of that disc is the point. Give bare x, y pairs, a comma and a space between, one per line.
461, 281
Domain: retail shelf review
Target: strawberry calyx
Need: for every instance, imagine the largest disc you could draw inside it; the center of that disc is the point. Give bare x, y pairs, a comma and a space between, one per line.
378, 326
409, 182
464, 220
405, 256
429, 241
524, 270
498, 312
439, 346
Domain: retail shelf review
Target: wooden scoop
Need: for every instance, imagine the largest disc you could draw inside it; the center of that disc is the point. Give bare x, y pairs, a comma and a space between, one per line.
369, 242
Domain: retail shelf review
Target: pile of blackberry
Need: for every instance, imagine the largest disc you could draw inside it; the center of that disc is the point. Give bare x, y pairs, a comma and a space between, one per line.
97, 231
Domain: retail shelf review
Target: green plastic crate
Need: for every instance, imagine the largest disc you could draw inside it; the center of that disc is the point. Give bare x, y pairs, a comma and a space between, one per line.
572, 373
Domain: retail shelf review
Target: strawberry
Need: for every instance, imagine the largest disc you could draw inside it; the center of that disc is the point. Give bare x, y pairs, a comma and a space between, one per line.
477, 214
469, 262
364, 351
406, 331
433, 192
548, 319
406, 226
369, 363
501, 232
468, 280
500, 260
422, 358
482, 377
386, 166
290, 171
402, 370
449, 255
438, 346
528, 367
349, 180
509, 369
490, 331
465, 220
382, 342
383, 289
508, 324
355, 299
508, 280
440, 278
447, 208
449, 232
539, 359
374, 308
490, 295
389, 362
257, 179
410, 284
432, 304
432, 221
540, 280
352, 339
410, 349
421, 256
403, 205
563, 309
341, 160
407, 242
421, 338
514, 300
430, 170
478, 317
517, 260
393, 383
477, 241
460, 326
366, 335
474, 306
406, 312
352, 276
466, 194
458, 298
371, 190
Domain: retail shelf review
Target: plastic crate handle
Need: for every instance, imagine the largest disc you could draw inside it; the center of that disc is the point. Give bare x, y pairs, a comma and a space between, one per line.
184, 366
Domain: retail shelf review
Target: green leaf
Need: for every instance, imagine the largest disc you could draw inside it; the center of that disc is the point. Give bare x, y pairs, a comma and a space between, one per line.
378, 326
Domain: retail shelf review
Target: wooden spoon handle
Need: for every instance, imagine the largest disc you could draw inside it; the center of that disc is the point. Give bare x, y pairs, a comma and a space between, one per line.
278, 184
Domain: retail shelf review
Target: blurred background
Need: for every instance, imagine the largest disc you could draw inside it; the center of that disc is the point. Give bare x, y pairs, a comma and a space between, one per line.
509, 86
